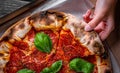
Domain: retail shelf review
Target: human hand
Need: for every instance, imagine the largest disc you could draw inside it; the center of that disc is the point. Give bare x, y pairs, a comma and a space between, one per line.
103, 18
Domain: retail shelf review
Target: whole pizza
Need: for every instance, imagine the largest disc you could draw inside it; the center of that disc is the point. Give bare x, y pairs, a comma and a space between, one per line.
52, 42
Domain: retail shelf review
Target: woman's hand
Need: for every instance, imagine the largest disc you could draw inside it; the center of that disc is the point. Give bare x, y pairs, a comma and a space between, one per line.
102, 20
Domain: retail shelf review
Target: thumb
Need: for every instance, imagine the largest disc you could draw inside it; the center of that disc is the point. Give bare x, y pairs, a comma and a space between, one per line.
94, 22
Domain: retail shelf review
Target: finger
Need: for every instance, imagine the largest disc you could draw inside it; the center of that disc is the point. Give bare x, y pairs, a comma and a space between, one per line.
94, 22
104, 34
87, 15
100, 27
109, 28
102, 9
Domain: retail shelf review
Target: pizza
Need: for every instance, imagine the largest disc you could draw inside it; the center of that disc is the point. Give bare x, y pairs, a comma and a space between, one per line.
52, 42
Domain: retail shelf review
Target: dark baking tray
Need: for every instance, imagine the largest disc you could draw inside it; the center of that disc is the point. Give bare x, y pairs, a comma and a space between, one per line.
10, 19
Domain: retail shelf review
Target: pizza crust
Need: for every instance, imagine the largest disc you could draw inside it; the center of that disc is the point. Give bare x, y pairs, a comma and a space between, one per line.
14, 33
4, 54
103, 65
17, 31
89, 39
48, 20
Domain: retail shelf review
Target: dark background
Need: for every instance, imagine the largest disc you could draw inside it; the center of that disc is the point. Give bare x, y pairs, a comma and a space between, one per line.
8, 6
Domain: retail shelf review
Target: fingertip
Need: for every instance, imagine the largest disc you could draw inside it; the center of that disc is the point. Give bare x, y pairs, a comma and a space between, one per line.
84, 16
88, 28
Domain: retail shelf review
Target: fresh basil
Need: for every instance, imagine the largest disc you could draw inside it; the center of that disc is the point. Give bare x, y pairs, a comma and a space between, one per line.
55, 67
43, 42
46, 70
80, 65
26, 71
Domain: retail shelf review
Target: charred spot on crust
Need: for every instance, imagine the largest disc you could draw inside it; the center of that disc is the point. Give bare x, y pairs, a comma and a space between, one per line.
93, 35
9, 35
51, 12
60, 16
1, 54
43, 14
97, 45
11, 32
49, 21
5, 38
21, 26
104, 55
44, 17
108, 71
48, 17
6, 52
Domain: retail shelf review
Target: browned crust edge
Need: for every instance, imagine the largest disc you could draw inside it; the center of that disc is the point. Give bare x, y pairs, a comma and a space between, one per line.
7, 32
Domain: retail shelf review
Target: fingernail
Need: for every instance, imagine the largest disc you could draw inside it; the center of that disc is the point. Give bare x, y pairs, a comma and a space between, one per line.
87, 28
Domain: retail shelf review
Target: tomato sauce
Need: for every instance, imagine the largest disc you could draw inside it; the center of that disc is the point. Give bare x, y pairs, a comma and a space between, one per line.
54, 36
15, 62
66, 38
91, 59
21, 45
31, 35
65, 47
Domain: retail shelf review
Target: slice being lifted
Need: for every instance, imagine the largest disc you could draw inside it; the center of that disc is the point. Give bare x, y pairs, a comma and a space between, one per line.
52, 41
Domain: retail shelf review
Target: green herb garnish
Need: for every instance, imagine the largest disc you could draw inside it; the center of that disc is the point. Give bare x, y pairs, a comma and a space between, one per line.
26, 71
43, 42
55, 67
80, 65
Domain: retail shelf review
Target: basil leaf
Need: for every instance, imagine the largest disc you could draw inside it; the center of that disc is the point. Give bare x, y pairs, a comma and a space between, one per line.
80, 65
26, 71
55, 67
43, 42
46, 70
